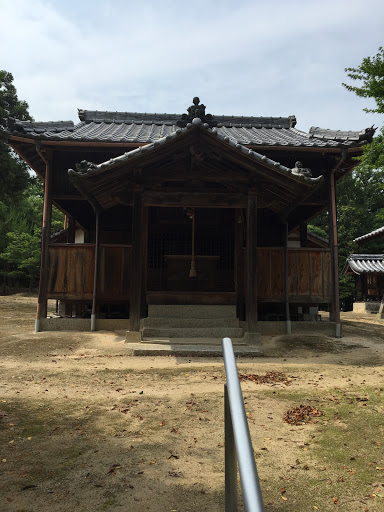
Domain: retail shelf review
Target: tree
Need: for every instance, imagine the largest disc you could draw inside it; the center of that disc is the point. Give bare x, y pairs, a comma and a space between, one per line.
361, 194
14, 174
371, 74
20, 228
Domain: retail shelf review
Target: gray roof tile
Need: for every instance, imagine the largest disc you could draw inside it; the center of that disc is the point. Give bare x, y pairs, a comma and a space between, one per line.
113, 162
366, 263
128, 127
377, 233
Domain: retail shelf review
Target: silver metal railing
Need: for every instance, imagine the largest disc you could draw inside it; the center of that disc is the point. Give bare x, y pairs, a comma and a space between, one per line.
238, 444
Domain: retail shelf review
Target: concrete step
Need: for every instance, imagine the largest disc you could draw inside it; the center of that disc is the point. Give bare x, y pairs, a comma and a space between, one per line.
192, 350
191, 311
190, 322
192, 341
192, 332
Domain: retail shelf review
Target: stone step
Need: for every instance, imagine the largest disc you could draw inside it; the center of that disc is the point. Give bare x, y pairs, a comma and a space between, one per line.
191, 341
192, 332
191, 311
192, 350
190, 322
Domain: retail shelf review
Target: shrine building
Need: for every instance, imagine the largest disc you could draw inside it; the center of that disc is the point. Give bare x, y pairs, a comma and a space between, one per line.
195, 220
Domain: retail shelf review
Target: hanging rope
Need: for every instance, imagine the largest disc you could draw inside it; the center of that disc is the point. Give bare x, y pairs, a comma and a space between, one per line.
191, 214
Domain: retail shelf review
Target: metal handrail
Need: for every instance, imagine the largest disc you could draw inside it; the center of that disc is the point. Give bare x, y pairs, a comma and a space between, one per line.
237, 435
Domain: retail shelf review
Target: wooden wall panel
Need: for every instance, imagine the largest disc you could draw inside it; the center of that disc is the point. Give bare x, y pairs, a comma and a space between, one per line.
316, 269
327, 280
292, 273
71, 271
308, 275
276, 272
303, 273
89, 265
264, 276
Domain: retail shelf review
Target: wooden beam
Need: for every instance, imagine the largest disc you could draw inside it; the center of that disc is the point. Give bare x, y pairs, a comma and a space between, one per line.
196, 199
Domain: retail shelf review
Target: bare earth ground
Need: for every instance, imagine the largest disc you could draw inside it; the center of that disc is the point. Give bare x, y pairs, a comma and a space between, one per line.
84, 427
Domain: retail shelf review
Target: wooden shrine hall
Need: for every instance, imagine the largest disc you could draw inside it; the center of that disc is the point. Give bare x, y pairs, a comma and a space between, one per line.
186, 210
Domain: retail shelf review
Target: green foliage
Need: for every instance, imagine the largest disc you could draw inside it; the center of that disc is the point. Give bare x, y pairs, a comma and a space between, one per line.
20, 232
10, 105
318, 229
22, 255
373, 155
371, 75
14, 174
361, 194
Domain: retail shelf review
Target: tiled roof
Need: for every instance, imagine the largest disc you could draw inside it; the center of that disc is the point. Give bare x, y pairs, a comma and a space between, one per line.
366, 263
378, 233
94, 169
339, 135
128, 127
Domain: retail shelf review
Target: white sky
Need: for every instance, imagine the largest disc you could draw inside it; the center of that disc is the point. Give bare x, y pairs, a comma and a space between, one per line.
260, 57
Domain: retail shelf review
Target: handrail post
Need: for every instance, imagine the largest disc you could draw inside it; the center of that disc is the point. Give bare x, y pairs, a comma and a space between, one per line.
249, 479
230, 458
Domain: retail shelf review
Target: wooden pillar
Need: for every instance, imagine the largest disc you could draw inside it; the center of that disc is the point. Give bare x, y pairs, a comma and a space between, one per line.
41, 311
251, 291
239, 263
71, 230
137, 265
95, 273
335, 306
144, 248
286, 281
303, 234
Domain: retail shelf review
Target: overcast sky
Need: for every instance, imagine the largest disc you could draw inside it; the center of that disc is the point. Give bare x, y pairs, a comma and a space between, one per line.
243, 57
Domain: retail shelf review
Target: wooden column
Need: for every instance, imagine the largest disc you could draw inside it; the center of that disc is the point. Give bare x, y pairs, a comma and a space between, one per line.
137, 265
286, 282
71, 230
335, 306
239, 263
303, 234
95, 273
45, 236
251, 290
144, 249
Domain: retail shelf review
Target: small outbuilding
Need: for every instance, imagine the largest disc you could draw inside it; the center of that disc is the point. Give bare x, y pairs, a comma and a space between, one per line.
368, 270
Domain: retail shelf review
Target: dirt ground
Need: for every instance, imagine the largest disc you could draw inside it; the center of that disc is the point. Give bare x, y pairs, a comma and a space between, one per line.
84, 427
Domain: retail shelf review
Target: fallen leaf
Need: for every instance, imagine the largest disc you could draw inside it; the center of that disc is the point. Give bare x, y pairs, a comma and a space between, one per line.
301, 415
268, 378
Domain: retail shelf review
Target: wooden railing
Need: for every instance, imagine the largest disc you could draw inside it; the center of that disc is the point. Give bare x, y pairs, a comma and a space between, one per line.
71, 271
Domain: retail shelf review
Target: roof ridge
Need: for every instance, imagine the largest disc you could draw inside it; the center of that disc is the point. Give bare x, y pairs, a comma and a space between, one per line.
89, 116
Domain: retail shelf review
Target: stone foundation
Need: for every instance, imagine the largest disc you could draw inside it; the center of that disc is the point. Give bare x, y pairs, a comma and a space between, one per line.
366, 307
